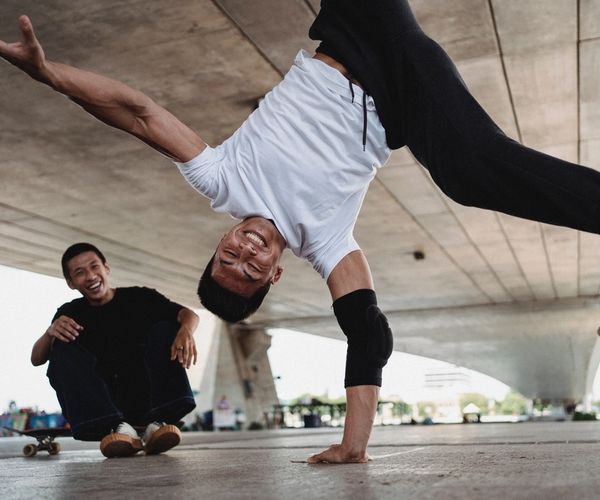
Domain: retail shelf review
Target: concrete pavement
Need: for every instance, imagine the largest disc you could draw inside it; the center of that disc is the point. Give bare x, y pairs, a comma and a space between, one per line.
529, 460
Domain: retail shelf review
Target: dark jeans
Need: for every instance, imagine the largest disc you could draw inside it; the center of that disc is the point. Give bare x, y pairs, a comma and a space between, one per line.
156, 388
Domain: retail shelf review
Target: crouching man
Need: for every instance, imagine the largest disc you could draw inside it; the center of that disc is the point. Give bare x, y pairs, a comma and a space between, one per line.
117, 359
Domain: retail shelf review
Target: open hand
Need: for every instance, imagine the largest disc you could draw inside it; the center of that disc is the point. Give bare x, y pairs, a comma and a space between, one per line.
28, 54
335, 454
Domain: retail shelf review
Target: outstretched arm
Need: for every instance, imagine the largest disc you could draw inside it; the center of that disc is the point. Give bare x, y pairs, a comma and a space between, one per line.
350, 277
112, 102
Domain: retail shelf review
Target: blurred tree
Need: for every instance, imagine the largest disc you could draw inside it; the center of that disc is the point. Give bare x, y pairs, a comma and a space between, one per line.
513, 404
426, 408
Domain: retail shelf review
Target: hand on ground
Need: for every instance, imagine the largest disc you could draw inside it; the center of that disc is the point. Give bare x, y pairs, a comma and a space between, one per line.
335, 454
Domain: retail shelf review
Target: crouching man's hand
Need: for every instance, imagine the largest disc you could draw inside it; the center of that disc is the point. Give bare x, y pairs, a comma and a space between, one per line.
64, 329
336, 454
183, 348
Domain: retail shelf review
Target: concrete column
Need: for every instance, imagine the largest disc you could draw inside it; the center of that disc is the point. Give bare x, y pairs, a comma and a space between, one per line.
591, 376
588, 401
243, 372
202, 375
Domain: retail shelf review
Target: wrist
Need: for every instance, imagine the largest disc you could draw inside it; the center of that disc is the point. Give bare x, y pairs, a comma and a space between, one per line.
48, 74
353, 451
185, 330
353, 454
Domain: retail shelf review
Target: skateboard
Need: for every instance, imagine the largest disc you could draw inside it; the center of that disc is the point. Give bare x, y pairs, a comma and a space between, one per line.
45, 439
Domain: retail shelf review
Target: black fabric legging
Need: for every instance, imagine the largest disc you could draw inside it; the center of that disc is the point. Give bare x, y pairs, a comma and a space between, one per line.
426, 105
472, 160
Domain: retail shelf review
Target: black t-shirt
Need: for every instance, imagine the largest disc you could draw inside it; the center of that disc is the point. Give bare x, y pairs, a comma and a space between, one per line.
114, 332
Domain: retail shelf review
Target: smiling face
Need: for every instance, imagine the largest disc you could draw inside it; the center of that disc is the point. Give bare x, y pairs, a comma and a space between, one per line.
247, 257
89, 276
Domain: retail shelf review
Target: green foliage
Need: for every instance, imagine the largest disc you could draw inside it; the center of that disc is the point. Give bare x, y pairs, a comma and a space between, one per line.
401, 408
426, 408
584, 416
513, 404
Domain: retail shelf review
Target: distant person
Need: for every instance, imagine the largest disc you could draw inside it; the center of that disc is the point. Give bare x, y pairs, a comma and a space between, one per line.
223, 404
118, 358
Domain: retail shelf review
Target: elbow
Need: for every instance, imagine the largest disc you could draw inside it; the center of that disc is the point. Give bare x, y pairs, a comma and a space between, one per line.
37, 358
142, 111
188, 314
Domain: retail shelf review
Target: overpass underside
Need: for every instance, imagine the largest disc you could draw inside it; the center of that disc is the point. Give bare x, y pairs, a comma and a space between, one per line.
545, 350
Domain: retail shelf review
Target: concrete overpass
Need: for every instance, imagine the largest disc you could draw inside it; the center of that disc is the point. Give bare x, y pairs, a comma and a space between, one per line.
511, 298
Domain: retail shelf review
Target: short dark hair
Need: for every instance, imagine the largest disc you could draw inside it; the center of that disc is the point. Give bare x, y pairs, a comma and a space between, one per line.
229, 306
74, 251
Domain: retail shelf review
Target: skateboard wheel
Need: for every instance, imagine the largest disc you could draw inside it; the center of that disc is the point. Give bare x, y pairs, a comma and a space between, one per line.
54, 449
29, 450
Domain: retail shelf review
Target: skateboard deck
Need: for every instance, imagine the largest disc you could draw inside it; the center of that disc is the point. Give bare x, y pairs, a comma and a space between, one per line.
45, 439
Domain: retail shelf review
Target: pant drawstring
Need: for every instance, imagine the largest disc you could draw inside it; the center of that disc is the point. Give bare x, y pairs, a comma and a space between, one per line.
365, 121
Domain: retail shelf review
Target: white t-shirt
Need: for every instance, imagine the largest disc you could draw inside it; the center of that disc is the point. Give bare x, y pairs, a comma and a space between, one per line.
299, 161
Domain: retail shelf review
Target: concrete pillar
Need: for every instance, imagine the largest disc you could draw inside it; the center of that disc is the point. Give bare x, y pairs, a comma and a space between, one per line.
588, 401
243, 372
529, 408
593, 372
202, 374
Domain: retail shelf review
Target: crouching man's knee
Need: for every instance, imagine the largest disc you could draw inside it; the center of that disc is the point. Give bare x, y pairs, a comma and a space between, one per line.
370, 340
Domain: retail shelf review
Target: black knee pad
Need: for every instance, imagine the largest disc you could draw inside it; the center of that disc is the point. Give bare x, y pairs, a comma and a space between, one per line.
370, 340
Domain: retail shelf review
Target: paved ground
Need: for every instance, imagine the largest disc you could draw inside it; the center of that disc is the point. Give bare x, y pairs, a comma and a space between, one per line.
529, 460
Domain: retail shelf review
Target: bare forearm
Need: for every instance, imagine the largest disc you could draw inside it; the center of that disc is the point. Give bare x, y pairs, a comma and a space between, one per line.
109, 100
41, 350
361, 407
125, 108
63, 328
188, 319
183, 348
360, 413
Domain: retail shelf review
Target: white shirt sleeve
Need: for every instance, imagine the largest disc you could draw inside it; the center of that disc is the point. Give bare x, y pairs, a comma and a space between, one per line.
202, 171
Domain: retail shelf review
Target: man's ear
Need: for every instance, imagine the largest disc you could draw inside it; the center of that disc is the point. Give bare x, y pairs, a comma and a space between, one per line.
277, 276
70, 284
107, 267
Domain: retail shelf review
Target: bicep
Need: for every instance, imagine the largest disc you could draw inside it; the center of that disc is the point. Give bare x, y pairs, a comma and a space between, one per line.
165, 133
350, 274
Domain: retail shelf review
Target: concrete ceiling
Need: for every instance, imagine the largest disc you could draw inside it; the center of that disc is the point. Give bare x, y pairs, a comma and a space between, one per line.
533, 64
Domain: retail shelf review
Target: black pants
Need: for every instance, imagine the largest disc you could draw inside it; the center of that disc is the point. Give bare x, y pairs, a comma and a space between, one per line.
157, 389
426, 106
472, 160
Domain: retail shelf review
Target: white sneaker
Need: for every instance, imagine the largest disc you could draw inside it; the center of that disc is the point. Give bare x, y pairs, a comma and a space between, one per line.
122, 442
160, 437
